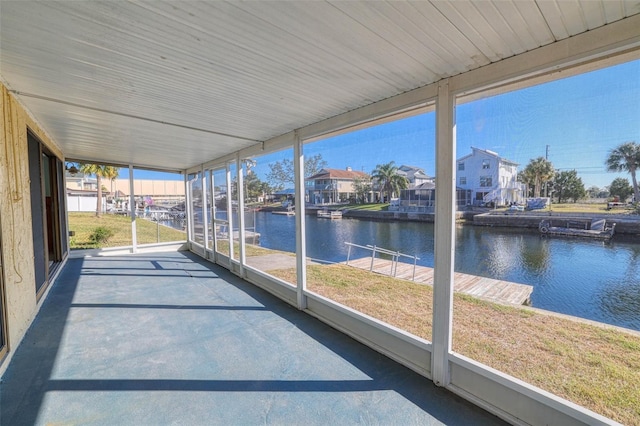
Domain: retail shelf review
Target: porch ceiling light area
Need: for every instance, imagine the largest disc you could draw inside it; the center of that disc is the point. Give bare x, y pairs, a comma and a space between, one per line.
96, 135
250, 70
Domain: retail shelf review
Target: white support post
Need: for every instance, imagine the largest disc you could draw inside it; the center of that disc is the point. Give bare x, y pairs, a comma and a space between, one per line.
132, 212
205, 213
444, 235
212, 222
229, 211
241, 232
188, 211
301, 241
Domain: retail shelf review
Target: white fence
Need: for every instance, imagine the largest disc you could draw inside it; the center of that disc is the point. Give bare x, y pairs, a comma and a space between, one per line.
81, 203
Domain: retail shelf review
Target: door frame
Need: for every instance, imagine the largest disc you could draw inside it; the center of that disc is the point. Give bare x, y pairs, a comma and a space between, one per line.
4, 338
52, 258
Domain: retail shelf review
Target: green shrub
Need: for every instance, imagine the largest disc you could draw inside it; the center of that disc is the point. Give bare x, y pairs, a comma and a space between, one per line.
101, 234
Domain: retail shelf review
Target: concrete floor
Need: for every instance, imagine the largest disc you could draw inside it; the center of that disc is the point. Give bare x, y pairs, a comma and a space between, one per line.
171, 339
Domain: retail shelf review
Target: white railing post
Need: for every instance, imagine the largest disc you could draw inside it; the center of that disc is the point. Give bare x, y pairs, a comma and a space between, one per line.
205, 213
373, 256
395, 268
132, 209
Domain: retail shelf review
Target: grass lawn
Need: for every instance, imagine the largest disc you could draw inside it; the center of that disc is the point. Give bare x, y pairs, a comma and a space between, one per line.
596, 367
84, 224
374, 207
588, 208
596, 208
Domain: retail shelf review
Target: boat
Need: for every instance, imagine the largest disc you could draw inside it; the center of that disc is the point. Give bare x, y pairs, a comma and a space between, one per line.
597, 228
329, 214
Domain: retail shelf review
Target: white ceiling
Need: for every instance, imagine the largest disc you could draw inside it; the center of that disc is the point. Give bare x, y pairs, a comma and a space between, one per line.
173, 84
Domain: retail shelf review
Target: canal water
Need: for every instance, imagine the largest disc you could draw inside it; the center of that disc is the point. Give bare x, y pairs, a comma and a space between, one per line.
588, 279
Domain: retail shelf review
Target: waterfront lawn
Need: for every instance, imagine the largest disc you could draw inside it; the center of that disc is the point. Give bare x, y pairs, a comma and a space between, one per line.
594, 208
374, 207
84, 224
595, 366
588, 208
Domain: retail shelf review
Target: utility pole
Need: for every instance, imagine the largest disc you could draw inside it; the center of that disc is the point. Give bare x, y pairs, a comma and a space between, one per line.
546, 184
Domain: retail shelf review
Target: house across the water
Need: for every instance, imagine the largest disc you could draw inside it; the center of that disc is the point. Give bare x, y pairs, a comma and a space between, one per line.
333, 186
489, 179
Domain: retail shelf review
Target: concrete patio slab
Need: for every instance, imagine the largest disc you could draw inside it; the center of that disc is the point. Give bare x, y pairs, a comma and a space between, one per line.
168, 338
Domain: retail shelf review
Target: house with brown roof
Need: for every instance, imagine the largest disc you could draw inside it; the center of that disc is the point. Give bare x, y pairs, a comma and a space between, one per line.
332, 186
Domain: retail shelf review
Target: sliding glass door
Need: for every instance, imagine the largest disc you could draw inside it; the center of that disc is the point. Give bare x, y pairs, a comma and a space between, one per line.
47, 199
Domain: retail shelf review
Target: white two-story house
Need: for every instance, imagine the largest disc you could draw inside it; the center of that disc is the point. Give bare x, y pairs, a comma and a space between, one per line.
488, 178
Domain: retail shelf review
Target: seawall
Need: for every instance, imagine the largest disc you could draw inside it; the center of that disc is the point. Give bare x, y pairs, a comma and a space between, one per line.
624, 225
400, 216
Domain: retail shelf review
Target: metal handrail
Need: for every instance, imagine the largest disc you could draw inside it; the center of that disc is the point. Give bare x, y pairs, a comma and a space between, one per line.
395, 256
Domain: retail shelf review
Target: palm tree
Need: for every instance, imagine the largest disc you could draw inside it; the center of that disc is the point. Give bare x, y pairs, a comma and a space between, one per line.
536, 173
626, 158
387, 177
100, 171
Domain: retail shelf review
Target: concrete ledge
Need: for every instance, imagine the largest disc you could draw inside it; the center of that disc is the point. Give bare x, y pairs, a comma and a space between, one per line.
142, 248
399, 216
624, 225
514, 400
397, 344
273, 285
395, 216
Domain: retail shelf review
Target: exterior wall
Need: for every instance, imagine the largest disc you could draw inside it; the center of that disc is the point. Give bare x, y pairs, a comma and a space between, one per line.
345, 186
15, 215
473, 171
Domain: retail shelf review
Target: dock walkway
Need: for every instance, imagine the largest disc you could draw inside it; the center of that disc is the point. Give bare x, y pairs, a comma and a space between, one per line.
481, 287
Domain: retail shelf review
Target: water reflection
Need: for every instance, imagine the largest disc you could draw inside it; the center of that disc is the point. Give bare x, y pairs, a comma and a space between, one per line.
535, 257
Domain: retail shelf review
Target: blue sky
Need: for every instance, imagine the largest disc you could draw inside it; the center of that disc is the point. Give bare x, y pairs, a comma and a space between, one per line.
580, 118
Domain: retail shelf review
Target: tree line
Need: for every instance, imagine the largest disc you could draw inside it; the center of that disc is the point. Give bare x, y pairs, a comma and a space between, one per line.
543, 179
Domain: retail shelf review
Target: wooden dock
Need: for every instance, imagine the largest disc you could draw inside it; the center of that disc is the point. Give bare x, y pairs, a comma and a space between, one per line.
481, 287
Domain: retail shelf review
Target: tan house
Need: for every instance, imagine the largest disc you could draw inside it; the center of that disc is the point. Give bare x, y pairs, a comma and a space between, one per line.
332, 186
80, 182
